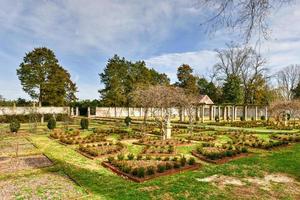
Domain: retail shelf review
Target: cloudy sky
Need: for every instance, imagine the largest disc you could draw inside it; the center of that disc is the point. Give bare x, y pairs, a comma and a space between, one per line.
84, 34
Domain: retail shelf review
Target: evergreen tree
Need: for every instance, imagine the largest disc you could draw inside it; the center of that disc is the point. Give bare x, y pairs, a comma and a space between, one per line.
44, 79
121, 77
186, 79
232, 90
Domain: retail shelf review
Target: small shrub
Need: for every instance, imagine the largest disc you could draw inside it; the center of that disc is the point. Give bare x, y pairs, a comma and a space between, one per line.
51, 123
150, 170
120, 157
182, 161
161, 168
168, 166
141, 172
130, 156
127, 121
134, 172
110, 159
139, 157
14, 126
217, 119
263, 117
191, 161
84, 123
176, 165
242, 118
126, 169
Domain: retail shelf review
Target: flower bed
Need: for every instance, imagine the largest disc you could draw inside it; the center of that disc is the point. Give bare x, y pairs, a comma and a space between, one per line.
256, 142
289, 137
219, 154
142, 170
100, 149
172, 142
58, 133
82, 140
202, 137
159, 150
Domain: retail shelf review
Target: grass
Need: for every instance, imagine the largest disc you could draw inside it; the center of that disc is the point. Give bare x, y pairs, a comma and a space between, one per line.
103, 184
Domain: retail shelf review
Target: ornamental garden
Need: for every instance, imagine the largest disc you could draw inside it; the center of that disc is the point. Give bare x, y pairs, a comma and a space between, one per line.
87, 158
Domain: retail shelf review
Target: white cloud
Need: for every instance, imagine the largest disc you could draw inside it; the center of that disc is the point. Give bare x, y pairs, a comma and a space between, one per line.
200, 61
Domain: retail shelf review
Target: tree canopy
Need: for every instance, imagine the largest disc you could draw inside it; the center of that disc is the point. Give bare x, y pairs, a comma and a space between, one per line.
121, 77
44, 79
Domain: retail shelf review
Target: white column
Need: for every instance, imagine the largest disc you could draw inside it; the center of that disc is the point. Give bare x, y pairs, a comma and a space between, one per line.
256, 116
245, 113
266, 112
88, 112
77, 111
202, 113
232, 113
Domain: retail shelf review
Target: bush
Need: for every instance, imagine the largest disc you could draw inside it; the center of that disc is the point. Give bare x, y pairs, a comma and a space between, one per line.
168, 166
14, 126
161, 168
127, 121
141, 172
126, 169
84, 123
150, 170
191, 161
263, 117
120, 157
110, 159
242, 118
130, 156
176, 165
51, 123
182, 161
217, 119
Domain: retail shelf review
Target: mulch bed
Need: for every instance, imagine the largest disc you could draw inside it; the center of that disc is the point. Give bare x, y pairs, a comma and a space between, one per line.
100, 156
23, 163
176, 145
147, 177
219, 161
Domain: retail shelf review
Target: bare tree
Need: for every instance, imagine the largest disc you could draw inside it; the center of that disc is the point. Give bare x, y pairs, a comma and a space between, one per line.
243, 62
248, 16
279, 110
287, 80
160, 101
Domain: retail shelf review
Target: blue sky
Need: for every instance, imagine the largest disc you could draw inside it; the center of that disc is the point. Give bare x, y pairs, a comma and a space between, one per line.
85, 33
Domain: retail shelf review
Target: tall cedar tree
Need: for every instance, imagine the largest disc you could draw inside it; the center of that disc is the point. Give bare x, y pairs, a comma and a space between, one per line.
209, 89
121, 77
186, 79
44, 79
232, 90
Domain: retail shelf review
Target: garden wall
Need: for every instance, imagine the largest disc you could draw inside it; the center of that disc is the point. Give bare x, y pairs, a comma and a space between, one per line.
31, 110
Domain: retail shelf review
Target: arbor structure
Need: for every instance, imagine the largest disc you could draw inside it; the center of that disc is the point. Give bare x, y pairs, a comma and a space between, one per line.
280, 110
44, 79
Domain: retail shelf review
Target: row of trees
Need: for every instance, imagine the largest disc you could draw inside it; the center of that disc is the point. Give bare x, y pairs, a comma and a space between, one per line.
240, 76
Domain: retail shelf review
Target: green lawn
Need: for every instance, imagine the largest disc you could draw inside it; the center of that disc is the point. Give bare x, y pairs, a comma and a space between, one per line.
103, 184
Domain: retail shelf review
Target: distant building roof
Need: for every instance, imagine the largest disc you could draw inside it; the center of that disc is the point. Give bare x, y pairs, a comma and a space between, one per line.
204, 99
